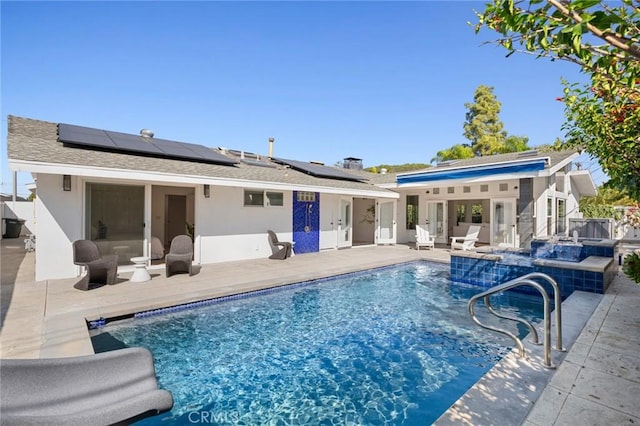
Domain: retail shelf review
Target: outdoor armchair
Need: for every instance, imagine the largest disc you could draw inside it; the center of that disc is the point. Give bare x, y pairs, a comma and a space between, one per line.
180, 256
281, 249
423, 239
467, 242
100, 269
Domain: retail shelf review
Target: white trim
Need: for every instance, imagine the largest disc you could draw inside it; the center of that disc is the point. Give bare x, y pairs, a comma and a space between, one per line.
147, 176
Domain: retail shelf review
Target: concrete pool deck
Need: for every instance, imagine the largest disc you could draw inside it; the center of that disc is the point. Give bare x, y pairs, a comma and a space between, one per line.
597, 383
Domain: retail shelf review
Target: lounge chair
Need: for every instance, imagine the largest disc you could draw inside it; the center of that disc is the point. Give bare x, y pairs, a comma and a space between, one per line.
116, 387
180, 256
467, 242
100, 269
423, 239
281, 249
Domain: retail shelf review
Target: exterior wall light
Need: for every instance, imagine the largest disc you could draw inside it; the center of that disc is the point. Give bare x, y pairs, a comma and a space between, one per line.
66, 182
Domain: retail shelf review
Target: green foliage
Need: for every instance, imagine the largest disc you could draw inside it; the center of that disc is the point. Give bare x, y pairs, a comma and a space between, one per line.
482, 125
603, 39
397, 168
484, 129
603, 204
631, 266
608, 195
456, 152
599, 211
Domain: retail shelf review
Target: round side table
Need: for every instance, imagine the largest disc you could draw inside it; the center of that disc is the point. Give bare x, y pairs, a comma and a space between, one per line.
140, 272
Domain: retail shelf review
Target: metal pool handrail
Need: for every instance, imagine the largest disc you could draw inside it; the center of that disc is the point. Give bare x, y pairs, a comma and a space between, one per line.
526, 280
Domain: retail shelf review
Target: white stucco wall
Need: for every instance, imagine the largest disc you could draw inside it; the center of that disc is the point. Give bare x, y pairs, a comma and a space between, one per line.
227, 230
59, 224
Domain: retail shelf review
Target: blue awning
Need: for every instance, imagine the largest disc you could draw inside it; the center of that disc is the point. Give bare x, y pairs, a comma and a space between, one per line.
473, 172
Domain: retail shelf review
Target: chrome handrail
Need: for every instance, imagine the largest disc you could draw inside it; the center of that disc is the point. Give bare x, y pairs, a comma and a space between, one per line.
526, 280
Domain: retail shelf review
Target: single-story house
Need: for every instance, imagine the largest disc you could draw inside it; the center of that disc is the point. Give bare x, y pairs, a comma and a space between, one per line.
123, 190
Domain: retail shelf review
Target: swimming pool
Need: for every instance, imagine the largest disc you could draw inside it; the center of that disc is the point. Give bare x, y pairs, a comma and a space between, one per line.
388, 346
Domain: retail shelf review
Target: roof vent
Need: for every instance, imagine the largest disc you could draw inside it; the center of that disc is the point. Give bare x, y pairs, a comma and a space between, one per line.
146, 133
319, 163
447, 163
383, 171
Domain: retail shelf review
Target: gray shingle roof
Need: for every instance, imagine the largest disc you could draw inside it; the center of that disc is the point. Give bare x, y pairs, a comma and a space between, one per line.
37, 141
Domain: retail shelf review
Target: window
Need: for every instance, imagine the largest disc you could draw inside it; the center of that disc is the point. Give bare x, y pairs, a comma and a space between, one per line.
476, 213
262, 198
412, 211
436, 191
484, 188
561, 215
450, 190
253, 198
549, 216
306, 196
460, 211
466, 189
504, 187
275, 199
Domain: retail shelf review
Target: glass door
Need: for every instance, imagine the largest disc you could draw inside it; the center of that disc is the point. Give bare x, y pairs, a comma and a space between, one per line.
114, 219
386, 222
503, 223
344, 223
437, 220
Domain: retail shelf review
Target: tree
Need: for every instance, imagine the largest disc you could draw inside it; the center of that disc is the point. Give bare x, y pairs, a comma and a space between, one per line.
456, 152
602, 117
482, 124
515, 144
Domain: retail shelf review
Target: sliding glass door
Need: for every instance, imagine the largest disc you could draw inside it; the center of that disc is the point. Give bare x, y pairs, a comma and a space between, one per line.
114, 219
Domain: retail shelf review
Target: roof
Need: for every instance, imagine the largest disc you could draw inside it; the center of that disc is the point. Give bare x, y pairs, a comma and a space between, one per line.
515, 164
33, 146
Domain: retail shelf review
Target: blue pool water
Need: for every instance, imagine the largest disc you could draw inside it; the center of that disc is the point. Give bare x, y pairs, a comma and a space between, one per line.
388, 346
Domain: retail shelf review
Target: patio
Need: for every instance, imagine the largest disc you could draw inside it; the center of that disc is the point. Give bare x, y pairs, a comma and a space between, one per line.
596, 384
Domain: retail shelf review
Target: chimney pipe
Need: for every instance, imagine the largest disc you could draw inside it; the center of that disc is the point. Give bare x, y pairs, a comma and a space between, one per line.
271, 147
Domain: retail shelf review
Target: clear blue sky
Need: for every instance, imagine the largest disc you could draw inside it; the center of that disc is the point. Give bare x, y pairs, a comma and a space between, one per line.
382, 81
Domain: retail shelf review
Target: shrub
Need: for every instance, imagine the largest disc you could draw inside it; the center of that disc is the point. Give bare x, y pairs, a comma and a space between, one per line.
632, 266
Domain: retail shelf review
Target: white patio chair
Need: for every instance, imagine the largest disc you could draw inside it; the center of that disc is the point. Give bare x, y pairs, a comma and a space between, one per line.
467, 242
423, 239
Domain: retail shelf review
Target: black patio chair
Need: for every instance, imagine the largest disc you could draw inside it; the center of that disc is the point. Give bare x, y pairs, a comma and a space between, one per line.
281, 249
100, 269
180, 256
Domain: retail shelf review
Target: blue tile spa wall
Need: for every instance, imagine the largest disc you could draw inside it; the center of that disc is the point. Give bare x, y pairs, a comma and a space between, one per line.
306, 222
487, 273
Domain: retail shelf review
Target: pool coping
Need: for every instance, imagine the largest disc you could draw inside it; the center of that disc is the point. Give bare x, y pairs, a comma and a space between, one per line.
516, 382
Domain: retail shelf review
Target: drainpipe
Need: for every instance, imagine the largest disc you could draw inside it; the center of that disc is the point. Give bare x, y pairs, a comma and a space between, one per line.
15, 186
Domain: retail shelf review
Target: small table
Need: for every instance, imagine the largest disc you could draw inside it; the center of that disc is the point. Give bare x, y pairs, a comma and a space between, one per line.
140, 273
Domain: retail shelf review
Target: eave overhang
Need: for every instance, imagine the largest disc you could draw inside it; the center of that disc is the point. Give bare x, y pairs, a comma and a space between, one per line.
513, 168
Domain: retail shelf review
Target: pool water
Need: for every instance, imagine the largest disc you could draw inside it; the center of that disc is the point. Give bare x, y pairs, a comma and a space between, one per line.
388, 346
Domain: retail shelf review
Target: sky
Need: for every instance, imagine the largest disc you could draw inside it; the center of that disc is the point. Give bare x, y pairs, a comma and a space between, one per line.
383, 81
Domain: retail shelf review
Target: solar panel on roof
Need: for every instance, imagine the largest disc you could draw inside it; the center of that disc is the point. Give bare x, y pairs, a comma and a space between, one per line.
124, 142
318, 170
